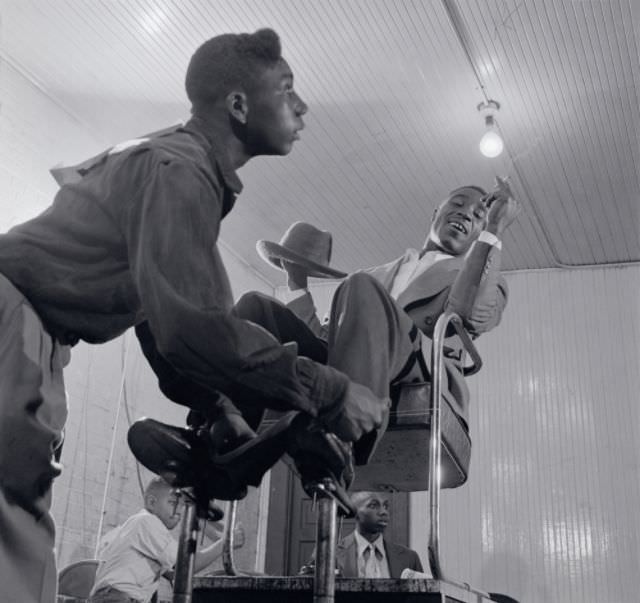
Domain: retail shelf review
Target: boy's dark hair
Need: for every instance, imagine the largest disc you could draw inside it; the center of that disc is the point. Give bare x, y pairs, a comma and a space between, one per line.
229, 61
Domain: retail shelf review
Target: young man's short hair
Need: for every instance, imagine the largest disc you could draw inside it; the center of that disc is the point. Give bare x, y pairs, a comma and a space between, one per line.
229, 61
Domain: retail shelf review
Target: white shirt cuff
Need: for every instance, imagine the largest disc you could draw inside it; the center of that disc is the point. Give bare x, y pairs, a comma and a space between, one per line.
488, 237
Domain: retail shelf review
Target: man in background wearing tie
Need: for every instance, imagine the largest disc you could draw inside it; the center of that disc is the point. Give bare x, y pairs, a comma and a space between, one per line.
365, 553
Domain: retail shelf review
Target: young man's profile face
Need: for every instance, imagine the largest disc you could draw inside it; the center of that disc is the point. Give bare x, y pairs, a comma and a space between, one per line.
460, 219
275, 113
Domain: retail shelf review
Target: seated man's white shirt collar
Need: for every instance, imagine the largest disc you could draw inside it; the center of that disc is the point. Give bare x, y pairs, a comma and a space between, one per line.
413, 266
377, 566
286, 296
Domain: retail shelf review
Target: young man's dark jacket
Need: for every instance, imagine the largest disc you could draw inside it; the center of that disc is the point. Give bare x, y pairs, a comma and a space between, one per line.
135, 239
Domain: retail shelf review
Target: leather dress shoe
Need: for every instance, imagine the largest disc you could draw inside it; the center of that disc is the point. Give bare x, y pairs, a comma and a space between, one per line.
187, 457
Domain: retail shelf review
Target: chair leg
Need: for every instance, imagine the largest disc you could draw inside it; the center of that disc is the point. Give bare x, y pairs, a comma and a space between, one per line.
227, 546
435, 443
324, 584
435, 450
183, 581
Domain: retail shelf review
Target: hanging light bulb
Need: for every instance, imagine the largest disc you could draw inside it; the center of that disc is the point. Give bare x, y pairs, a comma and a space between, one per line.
491, 144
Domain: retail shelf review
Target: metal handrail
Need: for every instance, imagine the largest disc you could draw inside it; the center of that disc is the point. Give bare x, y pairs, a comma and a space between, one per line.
467, 343
324, 580
183, 579
437, 366
228, 539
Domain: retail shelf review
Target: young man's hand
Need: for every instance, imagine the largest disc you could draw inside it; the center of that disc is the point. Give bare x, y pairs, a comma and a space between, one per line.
503, 207
212, 529
362, 412
297, 277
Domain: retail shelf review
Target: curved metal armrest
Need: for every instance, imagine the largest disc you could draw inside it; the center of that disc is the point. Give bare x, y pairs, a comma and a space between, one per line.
439, 334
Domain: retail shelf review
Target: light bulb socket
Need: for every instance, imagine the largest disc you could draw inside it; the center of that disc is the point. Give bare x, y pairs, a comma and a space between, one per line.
489, 121
489, 107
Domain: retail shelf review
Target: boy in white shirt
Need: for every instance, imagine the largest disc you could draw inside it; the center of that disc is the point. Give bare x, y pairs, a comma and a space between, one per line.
143, 549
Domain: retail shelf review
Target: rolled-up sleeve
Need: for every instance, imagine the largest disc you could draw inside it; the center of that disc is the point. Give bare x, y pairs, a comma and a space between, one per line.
479, 293
172, 232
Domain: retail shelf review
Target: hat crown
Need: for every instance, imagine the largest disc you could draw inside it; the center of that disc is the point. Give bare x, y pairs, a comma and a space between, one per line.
309, 242
305, 246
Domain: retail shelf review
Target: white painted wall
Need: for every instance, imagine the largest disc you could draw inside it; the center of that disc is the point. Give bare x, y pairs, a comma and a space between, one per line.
550, 511
36, 133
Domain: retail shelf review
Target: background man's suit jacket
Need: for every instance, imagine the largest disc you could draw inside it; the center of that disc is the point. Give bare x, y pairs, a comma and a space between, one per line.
398, 557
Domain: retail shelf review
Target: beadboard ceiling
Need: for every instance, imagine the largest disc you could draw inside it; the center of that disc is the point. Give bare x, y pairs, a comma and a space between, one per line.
392, 87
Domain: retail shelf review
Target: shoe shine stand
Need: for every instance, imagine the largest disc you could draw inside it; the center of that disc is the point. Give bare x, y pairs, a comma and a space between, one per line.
418, 413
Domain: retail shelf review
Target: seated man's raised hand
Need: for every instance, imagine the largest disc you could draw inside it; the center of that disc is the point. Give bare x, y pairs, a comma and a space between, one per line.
503, 207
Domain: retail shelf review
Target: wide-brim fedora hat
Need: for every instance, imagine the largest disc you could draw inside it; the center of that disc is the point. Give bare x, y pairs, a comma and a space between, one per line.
304, 245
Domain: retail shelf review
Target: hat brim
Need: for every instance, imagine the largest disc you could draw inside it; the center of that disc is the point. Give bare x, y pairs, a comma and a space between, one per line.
273, 253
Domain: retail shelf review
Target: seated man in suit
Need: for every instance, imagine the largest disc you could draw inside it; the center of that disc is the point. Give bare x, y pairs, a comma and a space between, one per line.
365, 553
382, 318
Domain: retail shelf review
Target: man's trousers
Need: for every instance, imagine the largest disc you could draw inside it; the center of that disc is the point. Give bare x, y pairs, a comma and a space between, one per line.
371, 339
33, 411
